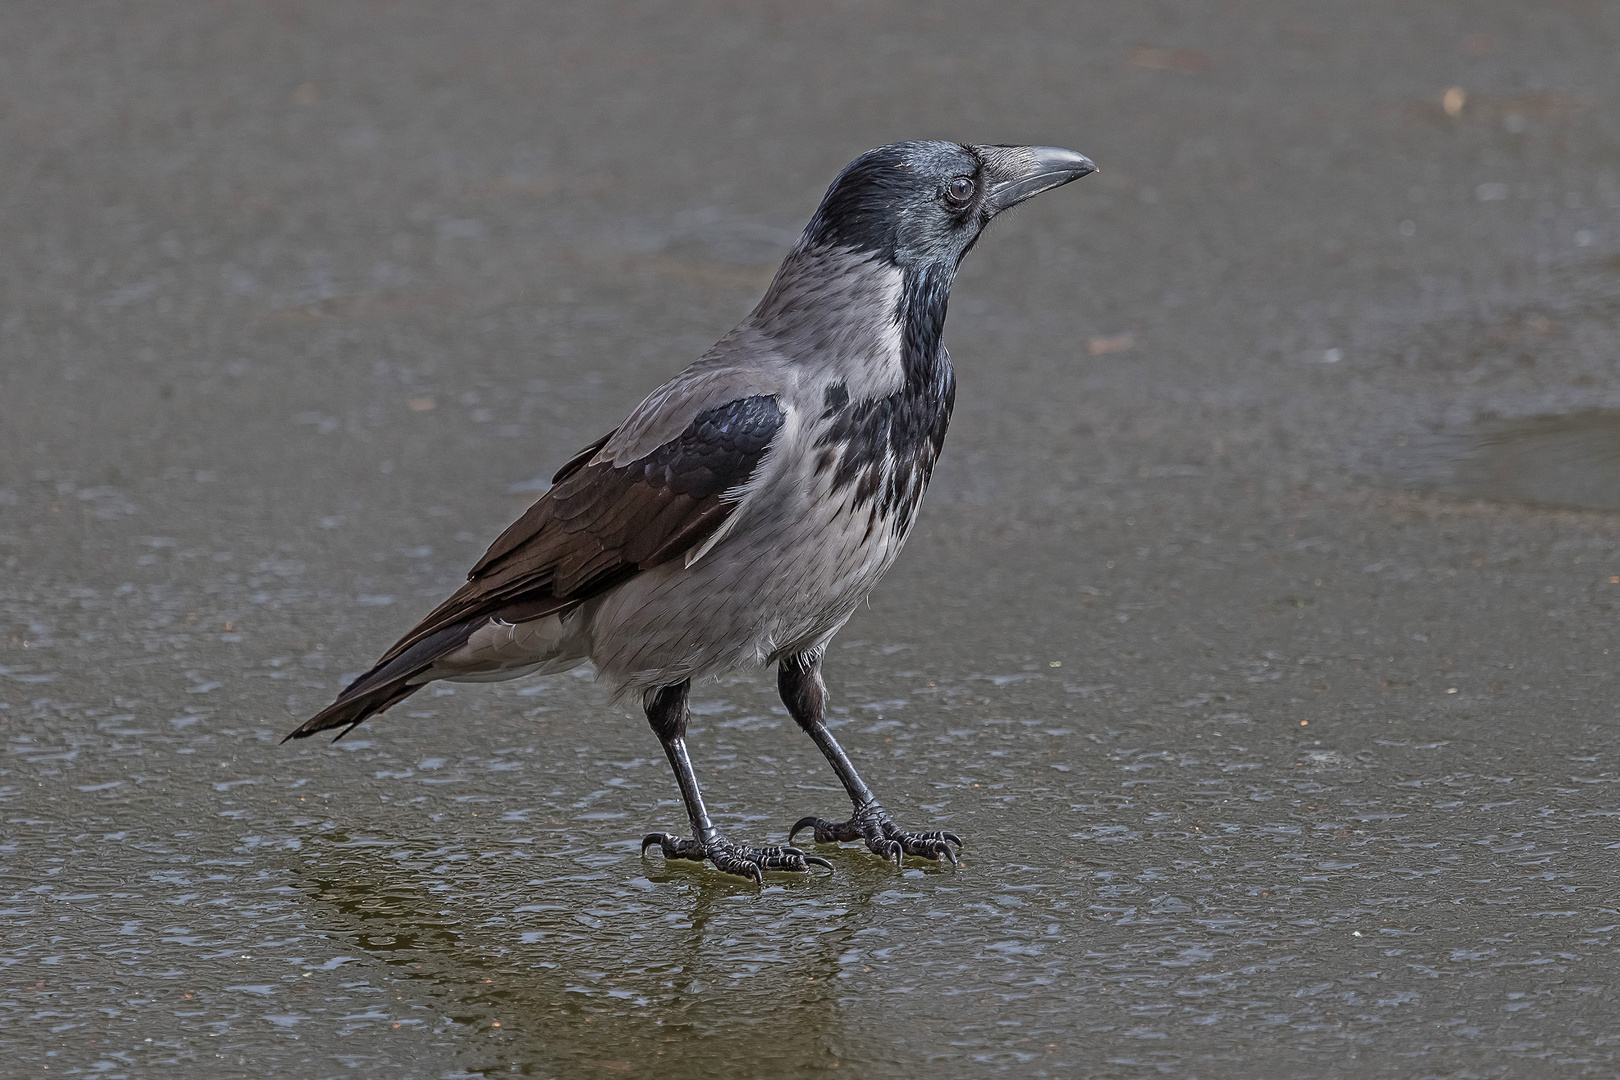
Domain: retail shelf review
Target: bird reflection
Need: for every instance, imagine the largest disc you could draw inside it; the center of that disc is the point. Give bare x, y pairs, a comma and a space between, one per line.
645, 979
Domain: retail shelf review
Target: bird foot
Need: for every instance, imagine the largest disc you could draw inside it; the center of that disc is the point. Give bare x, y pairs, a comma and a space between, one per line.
731, 858
872, 824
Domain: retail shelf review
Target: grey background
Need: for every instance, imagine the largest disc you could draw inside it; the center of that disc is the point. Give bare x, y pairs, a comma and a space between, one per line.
1282, 742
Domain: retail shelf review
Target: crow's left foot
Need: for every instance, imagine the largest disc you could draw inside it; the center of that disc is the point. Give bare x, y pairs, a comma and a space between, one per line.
732, 858
872, 824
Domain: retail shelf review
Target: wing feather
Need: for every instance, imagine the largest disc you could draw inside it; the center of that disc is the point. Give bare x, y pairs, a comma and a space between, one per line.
601, 523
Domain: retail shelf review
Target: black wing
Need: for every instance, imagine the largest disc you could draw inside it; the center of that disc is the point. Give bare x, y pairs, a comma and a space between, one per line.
599, 525
602, 524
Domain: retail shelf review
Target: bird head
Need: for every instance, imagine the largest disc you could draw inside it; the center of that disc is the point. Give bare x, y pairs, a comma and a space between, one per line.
922, 205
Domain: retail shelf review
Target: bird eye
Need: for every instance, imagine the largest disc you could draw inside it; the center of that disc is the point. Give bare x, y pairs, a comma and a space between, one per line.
959, 192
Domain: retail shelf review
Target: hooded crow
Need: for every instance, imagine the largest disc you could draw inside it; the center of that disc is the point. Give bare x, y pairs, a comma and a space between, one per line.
747, 506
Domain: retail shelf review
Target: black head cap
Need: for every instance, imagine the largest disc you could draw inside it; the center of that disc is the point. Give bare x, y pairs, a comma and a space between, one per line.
926, 202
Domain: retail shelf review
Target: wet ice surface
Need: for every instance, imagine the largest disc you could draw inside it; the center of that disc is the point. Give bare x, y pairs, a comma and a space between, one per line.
1413, 870
1256, 761
441, 898
1567, 460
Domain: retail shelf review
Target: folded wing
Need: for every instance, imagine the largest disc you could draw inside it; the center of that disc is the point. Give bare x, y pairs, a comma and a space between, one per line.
599, 525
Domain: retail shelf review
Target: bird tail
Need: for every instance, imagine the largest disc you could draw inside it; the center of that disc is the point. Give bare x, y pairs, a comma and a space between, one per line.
390, 682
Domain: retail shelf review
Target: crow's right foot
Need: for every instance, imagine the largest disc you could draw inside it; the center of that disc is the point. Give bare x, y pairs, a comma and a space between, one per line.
730, 858
872, 824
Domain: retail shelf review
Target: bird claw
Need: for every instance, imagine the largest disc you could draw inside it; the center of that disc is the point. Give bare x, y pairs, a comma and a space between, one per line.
887, 840
674, 847
729, 858
826, 831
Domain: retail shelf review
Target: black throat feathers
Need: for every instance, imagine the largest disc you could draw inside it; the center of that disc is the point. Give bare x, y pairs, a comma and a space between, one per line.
887, 447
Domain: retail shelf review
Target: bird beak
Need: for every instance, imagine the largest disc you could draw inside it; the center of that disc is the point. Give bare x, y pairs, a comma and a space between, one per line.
1016, 173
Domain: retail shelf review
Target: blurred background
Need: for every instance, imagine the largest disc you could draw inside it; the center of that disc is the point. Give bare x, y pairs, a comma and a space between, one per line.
1256, 632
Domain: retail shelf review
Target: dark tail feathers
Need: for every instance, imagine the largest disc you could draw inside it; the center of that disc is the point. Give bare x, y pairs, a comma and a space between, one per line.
385, 685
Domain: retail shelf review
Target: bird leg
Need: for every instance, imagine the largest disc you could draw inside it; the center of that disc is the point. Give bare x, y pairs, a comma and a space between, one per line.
666, 712
805, 695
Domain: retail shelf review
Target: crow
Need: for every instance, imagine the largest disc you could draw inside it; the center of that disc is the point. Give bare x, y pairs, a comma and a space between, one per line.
745, 508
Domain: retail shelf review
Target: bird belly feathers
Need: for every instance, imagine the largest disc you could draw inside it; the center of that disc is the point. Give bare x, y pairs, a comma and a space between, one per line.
808, 547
